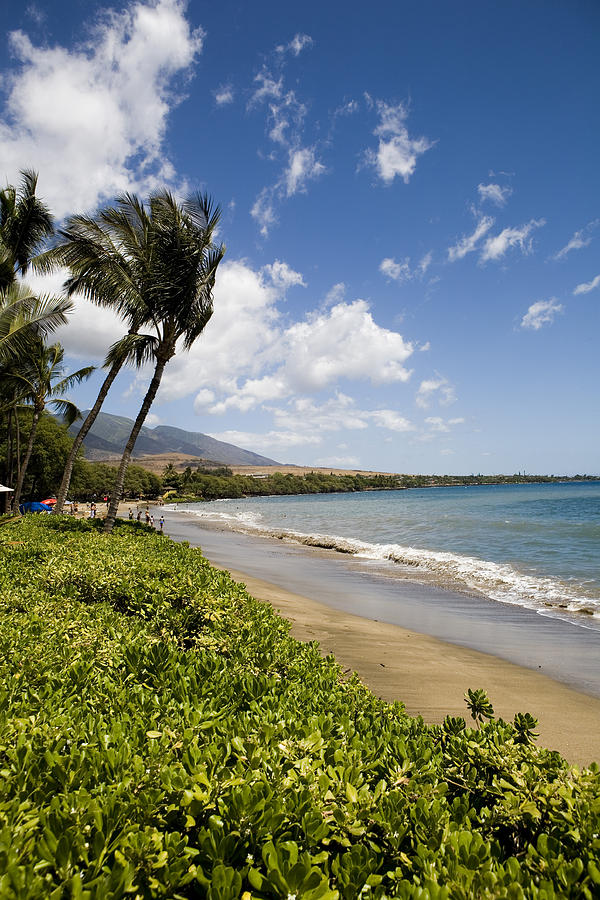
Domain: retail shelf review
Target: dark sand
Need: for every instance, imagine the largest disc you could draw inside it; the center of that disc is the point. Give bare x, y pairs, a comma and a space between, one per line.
420, 644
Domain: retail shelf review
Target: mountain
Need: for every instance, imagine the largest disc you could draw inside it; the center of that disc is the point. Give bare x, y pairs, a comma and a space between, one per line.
108, 436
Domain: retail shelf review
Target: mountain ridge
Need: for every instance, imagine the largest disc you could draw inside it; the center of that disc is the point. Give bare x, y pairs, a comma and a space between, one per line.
108, 435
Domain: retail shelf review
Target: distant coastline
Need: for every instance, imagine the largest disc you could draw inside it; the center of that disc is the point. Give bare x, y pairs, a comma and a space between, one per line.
225, 484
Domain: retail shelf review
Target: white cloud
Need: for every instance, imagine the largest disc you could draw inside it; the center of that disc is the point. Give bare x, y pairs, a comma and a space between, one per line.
391, 420
401, 271
263, 211
224, 95
305, 422
335, 294
437, 423
271, 442
338, 462
541, 313
92, 120
268, 88
303, 166
285, 118
91, 329
395, 271
152, 419
204, 399
343, 342
425, 262
494, 193
586, 287
248, 358
296, 45
428, 391
397, 153
496, 247
577, 242
469, 242
283, 276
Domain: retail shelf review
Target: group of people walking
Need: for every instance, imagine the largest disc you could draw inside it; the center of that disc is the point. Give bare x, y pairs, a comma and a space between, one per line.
149, 518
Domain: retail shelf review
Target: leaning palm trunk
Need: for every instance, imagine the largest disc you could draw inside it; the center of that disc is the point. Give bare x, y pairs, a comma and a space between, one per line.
89, 421
141, 418
23, 468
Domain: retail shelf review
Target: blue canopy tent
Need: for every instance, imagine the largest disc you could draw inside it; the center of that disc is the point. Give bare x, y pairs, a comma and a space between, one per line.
34, 506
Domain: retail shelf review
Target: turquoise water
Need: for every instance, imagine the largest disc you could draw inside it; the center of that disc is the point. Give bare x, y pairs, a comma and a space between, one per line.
533, 545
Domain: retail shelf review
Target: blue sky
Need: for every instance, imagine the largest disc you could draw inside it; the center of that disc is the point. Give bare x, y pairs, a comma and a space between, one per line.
411, 207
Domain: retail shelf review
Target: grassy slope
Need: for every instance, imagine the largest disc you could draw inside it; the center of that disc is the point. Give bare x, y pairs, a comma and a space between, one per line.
162, 735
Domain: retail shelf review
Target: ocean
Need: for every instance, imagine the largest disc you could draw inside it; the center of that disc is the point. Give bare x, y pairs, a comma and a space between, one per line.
534, 545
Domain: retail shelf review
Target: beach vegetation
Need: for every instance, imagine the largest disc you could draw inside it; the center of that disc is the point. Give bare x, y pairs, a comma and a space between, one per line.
163, 735
41, 381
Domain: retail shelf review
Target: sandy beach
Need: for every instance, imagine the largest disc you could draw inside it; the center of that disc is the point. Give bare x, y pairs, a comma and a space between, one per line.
429, 675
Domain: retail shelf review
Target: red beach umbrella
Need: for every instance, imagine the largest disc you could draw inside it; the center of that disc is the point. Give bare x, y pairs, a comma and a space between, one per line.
50, 502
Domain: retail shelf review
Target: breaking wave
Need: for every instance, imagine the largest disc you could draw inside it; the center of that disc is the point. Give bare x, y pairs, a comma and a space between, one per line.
570, 600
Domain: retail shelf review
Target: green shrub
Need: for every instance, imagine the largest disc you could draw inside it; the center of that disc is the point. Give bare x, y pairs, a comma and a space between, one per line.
162, 735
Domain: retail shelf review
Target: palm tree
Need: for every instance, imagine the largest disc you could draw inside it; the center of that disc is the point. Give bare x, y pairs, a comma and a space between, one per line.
176, 277
25, 223
108, 256
24, 315
43, 381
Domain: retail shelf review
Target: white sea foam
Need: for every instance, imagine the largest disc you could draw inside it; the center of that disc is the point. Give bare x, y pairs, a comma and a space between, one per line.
498, 581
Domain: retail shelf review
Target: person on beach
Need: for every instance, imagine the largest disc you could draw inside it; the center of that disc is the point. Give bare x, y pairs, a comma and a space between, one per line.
147, 517
139, 515
92, 510
151, 521
130, 514
161, 523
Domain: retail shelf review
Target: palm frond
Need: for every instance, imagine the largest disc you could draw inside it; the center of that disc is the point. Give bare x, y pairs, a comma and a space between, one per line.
23, 316
75, 378
136, 349
67, 410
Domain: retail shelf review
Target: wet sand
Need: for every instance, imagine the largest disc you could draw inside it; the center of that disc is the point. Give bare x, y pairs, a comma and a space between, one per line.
320, 594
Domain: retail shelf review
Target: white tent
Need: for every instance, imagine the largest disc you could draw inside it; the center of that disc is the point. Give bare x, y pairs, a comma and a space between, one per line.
4, 489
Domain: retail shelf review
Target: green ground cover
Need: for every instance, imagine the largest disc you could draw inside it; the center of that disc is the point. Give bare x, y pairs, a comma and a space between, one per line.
162, 735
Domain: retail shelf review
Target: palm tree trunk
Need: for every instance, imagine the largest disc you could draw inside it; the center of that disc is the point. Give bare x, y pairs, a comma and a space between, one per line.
17, 456
111, 515
8, 461
21, 479
89, 421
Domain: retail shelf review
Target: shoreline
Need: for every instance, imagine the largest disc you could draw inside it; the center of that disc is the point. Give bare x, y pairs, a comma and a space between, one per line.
429, 674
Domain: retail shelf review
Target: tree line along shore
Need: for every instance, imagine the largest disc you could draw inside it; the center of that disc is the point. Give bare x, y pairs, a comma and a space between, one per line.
90, 480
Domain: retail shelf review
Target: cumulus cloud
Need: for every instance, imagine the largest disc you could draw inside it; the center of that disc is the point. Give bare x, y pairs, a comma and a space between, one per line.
438, 388
468, 243
91, 329
92, 119
588, 286
248, 358
283, 276
494, 193
397, 153
541, 313
495, 247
